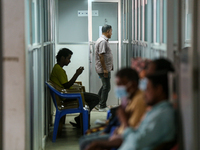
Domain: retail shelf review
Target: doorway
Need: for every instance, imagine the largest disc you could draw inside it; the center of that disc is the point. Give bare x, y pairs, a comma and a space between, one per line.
101, 12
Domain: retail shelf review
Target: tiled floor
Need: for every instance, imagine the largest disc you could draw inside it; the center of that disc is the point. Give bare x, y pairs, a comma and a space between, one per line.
70, 136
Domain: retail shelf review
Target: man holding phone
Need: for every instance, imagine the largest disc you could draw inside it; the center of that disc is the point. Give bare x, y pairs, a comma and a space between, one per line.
59, 77
104, 64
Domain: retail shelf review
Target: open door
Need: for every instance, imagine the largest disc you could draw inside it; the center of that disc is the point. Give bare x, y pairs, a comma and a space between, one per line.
102, 12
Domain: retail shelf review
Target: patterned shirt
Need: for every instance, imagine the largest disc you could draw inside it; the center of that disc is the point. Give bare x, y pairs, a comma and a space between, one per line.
102, 47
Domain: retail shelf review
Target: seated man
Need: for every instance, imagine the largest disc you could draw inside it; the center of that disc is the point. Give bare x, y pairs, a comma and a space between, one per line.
59, 77
133, 105
158, 125
146, 67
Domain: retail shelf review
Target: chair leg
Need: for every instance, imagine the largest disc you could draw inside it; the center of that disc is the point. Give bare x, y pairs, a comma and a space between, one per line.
81, 123
55, 130
61, 122
89, 120
85, 121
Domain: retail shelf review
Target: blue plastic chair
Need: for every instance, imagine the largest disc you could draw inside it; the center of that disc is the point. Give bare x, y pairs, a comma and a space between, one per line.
62, 112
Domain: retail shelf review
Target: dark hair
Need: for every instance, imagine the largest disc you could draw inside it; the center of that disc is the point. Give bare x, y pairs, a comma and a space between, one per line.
63, 52
163, 64
160, 78
129, 73
106, 27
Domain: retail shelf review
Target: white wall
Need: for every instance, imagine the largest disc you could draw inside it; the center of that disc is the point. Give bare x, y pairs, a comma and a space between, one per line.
13, 75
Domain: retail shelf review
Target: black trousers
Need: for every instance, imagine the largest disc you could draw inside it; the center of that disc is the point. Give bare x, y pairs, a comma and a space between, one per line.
91, 99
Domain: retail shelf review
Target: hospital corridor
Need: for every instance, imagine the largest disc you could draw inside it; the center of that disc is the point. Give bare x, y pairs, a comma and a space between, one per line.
100, 75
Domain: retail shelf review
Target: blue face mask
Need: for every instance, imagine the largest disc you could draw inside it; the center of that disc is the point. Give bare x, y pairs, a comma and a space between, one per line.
120, 92
143, 84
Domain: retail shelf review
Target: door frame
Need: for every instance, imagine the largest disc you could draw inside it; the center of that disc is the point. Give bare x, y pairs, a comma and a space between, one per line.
194, 55
1, 79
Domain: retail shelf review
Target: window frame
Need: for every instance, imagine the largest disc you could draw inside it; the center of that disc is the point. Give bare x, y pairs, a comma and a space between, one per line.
138, 22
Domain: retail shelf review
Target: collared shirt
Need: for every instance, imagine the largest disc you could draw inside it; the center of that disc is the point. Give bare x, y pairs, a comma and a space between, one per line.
157, 127
135, 109
102, 47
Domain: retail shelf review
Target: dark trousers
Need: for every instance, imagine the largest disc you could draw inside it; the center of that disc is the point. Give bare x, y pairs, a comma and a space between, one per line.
91, 99
104, 90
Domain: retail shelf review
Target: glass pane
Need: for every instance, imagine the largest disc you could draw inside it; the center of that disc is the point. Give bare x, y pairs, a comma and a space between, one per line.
33, 22
188, 26
164, 21
107, 14
146, 23
133, 21
28, 22
45, 21
124, 20
152, 22
141, 21
158, 21
138, 20
38, 22
72, 27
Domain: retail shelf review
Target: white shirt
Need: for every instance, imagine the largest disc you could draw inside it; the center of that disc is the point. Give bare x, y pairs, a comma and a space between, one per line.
102, 47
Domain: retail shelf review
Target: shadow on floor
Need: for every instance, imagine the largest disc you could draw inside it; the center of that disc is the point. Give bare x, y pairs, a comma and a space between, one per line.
70, 136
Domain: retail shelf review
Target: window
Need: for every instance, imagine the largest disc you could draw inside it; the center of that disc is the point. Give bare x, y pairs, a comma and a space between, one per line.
164, 22
33, 22
188, 20
146, 21
139, 19
159, 21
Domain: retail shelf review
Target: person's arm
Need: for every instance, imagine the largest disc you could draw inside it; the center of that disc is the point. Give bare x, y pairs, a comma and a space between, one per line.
105, 144
102, 60
102, 51
122, 116
152, 131
67, 85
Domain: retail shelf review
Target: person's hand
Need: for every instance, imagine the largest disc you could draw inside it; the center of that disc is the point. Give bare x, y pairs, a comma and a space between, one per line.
79, 70
105, 73
122, 116
114, 137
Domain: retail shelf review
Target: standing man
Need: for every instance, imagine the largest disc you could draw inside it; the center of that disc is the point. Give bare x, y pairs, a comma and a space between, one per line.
104, 64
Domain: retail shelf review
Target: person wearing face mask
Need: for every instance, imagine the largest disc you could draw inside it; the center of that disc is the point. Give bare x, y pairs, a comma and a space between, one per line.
133, 107
158, 127
147, 67
141, 67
